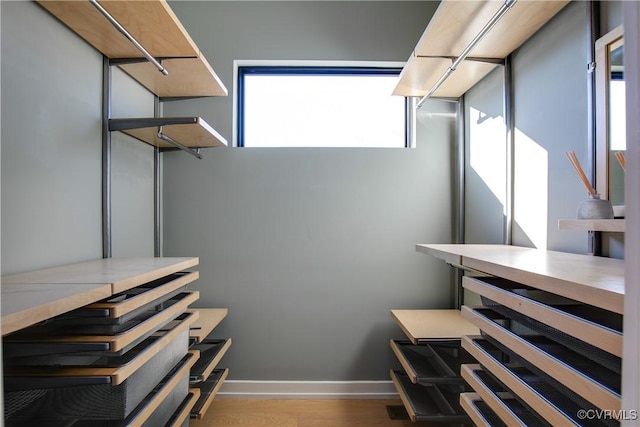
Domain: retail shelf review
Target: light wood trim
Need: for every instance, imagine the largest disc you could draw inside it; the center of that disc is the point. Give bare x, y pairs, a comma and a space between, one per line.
209, 319
119, 342
187, 77
468, 403
120, 373
164, 391
489, 397
610, 225
214, 362
452, 28
193, 135
205, 405
25, 305
403, 396
594, 334
194, 395
151, 22
592, 280
581, 384
408, 369
117, 309
424, 325
122, 273
537, 402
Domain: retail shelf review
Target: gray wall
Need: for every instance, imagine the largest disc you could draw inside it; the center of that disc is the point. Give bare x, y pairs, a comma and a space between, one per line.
550, 113
310, 248
51, 148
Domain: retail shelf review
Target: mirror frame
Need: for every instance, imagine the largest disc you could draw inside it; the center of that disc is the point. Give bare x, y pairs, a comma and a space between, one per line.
602, 109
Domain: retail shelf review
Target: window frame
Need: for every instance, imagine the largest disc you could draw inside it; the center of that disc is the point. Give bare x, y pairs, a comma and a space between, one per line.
244, 68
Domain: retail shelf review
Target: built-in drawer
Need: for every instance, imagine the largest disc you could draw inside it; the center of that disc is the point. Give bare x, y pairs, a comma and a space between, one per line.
504, 404
595, 326
48, 339
430, 402
208, 390
558, 405
126, 306
181, 417
436, 362
211, 352
479, 412
575, 371
92, 387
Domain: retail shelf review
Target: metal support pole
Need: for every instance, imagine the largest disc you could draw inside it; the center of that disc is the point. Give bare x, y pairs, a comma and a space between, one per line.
510, 146
157, 207
460, 193
106, 160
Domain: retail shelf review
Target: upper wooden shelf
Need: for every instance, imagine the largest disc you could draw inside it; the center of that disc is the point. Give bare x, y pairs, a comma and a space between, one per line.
592, 280
120, 273
429, 325
207, 321
192, 132
452, 28
31, 297
610, 225
154, 25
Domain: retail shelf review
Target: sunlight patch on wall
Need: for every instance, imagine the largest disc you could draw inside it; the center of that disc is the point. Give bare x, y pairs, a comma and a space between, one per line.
531, 189
488, 152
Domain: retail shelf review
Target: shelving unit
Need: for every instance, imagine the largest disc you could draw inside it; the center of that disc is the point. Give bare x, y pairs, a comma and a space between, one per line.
186, 73
552, 332
118, 348
430, 384
608, 225
453, 28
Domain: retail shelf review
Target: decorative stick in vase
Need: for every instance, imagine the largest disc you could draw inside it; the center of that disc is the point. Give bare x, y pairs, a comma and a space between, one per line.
621, 160
593, 207
576, 165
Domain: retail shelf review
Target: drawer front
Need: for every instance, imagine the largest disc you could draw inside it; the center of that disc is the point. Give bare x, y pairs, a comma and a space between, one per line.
589, 324
430, 402
140, 298
479, 411
117, 343
501, 402
555, 360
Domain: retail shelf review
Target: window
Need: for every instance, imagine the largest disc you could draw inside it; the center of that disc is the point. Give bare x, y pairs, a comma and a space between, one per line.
302, 106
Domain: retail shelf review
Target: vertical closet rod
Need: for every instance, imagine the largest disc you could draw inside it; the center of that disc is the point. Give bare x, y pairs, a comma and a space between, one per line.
106, 159
483, 32
129, 37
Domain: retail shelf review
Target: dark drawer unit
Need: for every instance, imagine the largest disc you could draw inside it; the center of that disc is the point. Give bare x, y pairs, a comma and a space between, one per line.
124, 360
576, 371
479, 412
430, 402
206, 378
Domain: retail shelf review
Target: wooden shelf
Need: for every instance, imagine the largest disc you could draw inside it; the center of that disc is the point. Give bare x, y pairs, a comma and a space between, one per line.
192, 132
26, 304
591, 280
120, 273
610, 225
429, 325
154, 25
451, 30
188, 77
207, 322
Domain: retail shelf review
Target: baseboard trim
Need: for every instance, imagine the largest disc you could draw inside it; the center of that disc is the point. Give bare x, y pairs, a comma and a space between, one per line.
247, 389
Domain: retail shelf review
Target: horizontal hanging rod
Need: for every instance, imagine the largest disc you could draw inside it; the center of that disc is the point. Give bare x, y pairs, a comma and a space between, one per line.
132, 39
476, 59
177, 144
483, 32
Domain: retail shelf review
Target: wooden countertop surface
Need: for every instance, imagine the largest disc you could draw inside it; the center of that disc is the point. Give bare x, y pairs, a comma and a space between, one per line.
592, 280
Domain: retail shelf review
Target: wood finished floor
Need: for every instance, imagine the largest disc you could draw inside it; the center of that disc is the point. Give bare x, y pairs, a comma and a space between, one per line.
300, 413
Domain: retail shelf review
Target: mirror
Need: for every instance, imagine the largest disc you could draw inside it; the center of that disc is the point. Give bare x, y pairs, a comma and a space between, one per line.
610, 117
